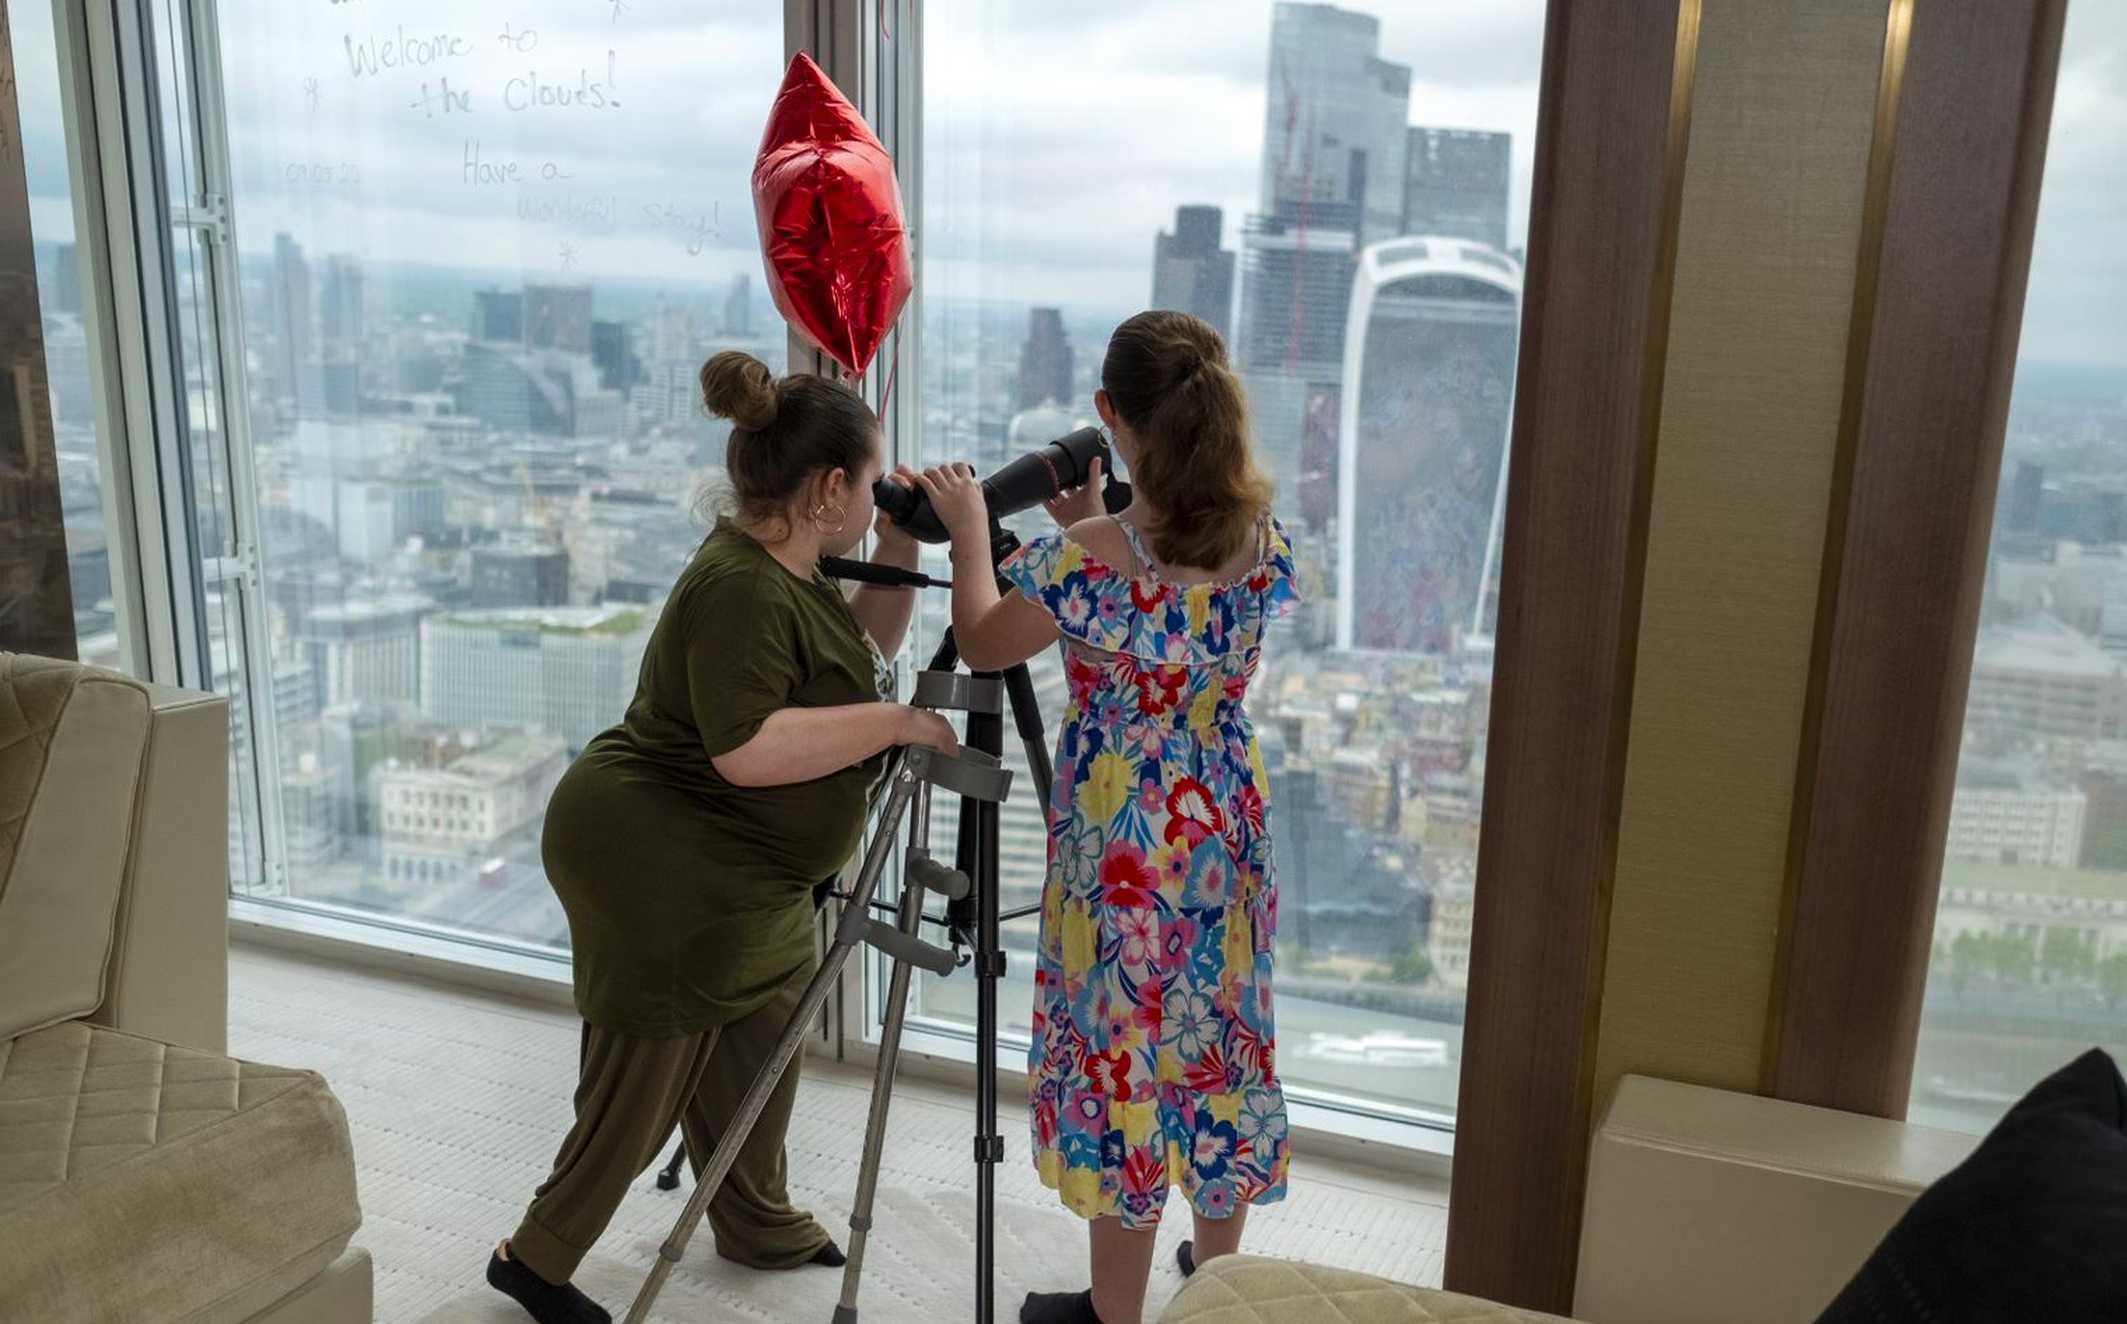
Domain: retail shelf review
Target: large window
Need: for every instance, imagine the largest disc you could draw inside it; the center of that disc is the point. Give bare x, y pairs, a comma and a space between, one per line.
1343, 192
440, 351
442, 279
2030, 956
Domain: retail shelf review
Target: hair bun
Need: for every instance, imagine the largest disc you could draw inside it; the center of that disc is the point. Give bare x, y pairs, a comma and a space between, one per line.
738, 386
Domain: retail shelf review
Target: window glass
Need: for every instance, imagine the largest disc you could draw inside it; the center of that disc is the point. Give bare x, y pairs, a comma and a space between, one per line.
481, 253
1342, 191
2030, 956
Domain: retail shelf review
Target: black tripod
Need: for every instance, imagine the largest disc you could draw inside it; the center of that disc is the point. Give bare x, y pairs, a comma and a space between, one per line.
972, 920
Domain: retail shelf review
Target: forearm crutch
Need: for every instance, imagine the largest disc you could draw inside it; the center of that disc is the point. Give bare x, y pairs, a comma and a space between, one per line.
972, 775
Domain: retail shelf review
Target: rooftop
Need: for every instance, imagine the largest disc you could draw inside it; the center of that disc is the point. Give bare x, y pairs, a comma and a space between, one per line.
2044, 646
2034, 880
603, 620
380, 607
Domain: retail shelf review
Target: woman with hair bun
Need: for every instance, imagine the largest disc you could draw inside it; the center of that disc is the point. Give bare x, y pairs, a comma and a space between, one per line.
688, 843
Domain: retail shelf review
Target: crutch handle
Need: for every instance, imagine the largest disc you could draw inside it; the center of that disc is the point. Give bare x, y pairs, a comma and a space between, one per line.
912, 950
956, 691
938, 877
970, 774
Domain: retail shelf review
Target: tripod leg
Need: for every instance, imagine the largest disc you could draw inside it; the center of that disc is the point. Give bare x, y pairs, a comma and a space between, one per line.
985, 732
911, 921
847, 936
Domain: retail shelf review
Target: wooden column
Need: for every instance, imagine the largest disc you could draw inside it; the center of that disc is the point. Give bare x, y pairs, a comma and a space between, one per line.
1937, 319
1611, 131
36, 599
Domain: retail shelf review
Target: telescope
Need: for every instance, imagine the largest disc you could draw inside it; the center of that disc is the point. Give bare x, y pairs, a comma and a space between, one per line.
1031, 479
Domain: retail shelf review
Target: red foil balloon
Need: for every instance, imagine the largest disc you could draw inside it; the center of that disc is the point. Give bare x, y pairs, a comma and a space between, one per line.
832, 231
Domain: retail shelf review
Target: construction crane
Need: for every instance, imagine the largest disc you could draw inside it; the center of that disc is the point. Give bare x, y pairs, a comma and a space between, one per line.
1295, 320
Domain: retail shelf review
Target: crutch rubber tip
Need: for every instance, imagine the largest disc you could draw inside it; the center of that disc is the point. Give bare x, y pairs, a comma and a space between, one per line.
845, 1315
667, 1181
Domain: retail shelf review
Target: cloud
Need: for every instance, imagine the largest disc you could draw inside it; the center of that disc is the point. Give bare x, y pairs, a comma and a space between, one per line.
2078, 264
1061, 136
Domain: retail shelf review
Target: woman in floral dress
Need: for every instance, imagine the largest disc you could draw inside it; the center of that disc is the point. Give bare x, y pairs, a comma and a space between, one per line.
1153, 1062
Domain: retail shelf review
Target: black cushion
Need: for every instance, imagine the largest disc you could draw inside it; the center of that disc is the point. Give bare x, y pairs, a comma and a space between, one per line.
2033, 1226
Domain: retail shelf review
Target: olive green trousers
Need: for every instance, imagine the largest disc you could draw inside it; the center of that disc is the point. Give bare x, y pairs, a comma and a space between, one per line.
629, 1094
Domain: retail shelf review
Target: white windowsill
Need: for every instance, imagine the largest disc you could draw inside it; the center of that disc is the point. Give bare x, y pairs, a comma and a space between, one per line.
319, 932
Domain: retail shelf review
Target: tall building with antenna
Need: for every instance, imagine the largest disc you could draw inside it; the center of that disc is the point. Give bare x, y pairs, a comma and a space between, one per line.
1335, 151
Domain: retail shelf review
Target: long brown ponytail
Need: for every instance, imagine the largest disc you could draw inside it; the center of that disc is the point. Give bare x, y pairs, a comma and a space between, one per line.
1166, 373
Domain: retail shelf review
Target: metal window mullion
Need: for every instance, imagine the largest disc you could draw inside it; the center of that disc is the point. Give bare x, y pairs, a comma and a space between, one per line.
214, 214
89, 123
109, 72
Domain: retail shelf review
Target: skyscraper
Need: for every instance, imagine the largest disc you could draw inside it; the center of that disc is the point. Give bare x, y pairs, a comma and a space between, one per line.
293, 343
1190, 272
515, 391
1427, 395
738, 307
558, 317
366, 650
613, 350
1295, 292
1334, 141
671, 334
669, 393
2027, 497
1455, 184
498, 316
1044, 360
1335, 145
64, 294
340, 305
1298, 286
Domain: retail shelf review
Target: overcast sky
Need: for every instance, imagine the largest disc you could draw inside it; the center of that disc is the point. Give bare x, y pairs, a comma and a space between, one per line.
1062, 136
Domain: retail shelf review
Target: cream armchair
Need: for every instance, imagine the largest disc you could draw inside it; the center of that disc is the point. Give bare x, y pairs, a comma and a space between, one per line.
144, 1175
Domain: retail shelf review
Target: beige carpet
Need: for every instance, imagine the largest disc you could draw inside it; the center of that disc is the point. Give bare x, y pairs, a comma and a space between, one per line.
457, 1101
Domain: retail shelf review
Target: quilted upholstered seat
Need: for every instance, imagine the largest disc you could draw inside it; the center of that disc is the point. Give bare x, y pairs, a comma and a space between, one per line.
1243, 1289
169, 1183
144, 1174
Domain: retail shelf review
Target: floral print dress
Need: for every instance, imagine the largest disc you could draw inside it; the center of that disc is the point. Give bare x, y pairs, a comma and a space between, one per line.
1153, 1062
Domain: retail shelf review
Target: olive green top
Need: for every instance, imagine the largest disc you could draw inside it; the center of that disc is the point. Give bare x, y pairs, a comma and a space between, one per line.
689, 897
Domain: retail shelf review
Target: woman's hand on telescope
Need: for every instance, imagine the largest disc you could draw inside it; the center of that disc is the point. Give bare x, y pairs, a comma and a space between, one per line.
921, 726
890, 542
1079, 503
957, 497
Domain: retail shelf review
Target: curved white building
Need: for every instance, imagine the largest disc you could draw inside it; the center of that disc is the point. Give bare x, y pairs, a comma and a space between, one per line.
1425, 406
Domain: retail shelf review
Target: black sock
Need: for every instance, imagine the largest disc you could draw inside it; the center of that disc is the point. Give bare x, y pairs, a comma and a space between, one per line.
1059, 1308
541, 1299
830, 1255
1185, 1255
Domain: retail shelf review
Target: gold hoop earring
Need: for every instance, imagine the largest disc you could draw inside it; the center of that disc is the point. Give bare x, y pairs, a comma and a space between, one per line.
841, 519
